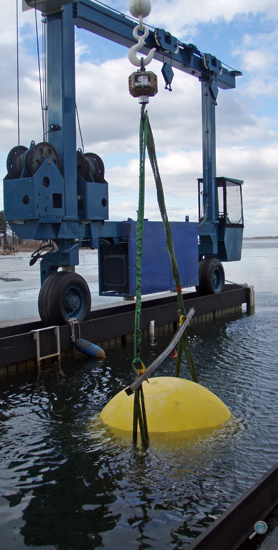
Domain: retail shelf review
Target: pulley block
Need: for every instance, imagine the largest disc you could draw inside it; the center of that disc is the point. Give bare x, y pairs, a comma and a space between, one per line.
37, 155
83, 167
96, 167
90, 166
168, 75
15, 161
166, 41
22, 162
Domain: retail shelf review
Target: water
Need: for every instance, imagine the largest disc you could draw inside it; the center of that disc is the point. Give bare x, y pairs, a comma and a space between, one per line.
68, 483
20, 284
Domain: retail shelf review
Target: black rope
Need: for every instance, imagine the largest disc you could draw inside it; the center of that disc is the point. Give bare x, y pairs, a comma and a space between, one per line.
17, 74
79, 126
44, 56
39, 67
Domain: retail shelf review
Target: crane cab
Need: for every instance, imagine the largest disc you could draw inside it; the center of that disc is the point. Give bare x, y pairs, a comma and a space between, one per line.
222, 238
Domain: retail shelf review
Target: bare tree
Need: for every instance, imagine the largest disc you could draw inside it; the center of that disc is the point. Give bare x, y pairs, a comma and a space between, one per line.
3, 227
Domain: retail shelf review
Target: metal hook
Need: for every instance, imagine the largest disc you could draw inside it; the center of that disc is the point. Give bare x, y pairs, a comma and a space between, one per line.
132, 54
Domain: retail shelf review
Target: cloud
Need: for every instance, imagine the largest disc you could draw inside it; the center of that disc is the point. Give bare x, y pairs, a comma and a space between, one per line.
8, 28
257, 166
180, 20
29, 99
258, 54
109, 115
238, 125
257, 60
179, 172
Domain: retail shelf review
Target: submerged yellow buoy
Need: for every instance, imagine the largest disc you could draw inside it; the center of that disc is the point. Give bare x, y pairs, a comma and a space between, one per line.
172, 405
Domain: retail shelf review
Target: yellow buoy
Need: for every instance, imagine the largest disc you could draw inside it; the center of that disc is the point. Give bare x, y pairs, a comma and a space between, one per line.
172, 405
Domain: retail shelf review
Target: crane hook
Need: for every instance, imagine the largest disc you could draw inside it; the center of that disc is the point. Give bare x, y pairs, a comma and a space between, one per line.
132, 54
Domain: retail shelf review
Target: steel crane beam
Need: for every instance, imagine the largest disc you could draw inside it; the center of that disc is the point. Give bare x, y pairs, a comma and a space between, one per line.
118, 27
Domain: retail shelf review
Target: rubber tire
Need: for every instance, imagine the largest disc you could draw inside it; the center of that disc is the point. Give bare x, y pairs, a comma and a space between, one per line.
52, 307
211, 277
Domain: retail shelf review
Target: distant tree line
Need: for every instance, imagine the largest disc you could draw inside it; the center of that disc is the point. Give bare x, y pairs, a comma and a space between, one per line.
4, 228
7, 237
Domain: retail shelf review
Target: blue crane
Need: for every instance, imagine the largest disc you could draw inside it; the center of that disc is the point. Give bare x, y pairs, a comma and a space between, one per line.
58, 195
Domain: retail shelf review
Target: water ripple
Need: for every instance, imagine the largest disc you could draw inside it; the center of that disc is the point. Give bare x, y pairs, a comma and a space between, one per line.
69, 482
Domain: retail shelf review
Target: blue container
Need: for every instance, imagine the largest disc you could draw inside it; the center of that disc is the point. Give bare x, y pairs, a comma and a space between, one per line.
117, 263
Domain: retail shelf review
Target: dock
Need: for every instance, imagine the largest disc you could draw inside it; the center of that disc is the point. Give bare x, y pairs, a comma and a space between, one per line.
239, 527
26, 346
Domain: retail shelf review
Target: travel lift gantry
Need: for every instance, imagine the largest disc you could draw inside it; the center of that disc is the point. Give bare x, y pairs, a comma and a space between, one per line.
56, 194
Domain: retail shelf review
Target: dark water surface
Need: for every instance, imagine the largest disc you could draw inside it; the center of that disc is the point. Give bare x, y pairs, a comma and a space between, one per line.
66, 482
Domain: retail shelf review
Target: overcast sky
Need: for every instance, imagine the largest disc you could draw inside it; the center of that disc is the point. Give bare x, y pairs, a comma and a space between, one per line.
241, 33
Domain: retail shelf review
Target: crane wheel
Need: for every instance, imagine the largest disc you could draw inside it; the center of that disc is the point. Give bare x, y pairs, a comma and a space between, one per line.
211, 277
64, 295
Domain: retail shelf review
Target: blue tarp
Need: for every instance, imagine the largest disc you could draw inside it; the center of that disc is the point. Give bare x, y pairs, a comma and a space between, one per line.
156, 266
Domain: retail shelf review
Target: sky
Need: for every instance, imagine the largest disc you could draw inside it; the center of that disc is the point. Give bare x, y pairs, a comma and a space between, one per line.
243, 34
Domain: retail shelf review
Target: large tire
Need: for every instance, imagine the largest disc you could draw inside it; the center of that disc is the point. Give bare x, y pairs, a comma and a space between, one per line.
64, 295
211, 277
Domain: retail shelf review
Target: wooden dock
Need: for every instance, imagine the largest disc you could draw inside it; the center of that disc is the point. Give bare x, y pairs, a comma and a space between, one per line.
25, 346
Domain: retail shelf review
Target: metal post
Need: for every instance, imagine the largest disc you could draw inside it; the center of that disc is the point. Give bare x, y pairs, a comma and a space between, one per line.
61, 100
209, 154
250, 300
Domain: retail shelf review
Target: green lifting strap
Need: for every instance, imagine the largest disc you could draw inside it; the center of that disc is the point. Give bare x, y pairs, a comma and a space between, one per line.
139, 412
139, 239
147, 141
184, 342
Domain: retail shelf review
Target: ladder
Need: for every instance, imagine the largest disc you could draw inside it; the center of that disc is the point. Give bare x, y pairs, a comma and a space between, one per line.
36, 335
